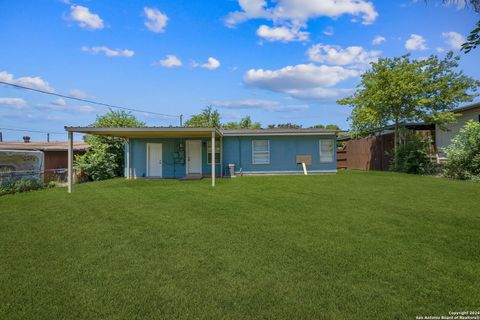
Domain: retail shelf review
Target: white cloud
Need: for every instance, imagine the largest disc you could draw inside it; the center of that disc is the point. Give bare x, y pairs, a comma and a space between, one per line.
298, 12
109, 52
303, 81
85, 18
156, 20
453, 39
266, 105
17, 103
211, 64
61, 105
440, 50
29, 82
378, 40
76, 93
416, 42
319, 93
83, 109
170, 61
283, 34
329, 31
335, 55
59, 102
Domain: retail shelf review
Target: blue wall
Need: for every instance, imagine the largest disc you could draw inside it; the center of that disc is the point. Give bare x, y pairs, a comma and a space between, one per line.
170, 167
237, 150
283, 152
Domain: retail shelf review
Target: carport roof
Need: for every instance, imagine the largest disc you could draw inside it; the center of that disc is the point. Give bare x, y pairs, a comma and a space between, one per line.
148, 132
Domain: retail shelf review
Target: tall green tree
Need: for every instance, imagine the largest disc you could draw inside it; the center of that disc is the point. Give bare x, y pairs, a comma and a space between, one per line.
105, 158
401, 90
208, 118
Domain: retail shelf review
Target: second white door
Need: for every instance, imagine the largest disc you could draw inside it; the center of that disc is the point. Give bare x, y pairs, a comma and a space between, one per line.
194, 156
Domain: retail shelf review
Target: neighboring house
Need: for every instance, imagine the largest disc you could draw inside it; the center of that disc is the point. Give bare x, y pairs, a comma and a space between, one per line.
55, 159
443, 137
176, 152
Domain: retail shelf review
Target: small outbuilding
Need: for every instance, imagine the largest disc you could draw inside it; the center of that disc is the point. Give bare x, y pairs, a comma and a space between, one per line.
55, 155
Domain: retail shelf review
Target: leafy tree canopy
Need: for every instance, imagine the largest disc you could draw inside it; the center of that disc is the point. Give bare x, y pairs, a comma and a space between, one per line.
105, 158
401, 90
328, 126
244, 123
208, 118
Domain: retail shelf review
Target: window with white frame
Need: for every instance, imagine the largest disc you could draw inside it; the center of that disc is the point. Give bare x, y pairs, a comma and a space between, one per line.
209, 152
260, 151
326, 150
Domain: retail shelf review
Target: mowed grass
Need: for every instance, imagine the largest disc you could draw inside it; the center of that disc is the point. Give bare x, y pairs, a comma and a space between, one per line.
355, 245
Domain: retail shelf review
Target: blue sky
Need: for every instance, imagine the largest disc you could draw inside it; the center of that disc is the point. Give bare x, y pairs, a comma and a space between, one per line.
278, 61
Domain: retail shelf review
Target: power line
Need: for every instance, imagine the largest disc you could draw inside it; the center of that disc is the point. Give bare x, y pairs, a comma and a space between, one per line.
90, 101
28, 130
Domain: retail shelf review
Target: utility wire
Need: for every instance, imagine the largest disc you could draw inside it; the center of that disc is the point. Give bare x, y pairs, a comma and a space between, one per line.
90, 101
27, 130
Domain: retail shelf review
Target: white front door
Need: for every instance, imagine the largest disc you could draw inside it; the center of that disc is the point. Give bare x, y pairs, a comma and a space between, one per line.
154, 160
194, 156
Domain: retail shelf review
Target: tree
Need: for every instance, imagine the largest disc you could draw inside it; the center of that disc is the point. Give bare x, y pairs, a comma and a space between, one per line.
473, 40
328, 127
413, 154
401, 90
104, 159
463, 154
287, 125
208, 118
244, 123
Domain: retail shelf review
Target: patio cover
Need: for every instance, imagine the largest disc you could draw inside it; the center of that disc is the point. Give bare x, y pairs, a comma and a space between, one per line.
143, 132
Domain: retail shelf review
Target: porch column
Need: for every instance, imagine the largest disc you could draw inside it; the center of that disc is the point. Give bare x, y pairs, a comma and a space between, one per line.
70, 162
127, 158
213, 158
221, 156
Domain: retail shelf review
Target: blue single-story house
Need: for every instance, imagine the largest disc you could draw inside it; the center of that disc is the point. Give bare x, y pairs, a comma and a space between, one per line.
177, 152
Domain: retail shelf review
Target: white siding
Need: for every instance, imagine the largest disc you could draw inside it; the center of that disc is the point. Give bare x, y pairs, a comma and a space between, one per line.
443, 138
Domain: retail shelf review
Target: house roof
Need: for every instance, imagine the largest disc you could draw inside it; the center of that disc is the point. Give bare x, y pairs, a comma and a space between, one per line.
184, 132
467, 107
279, 132
43, 146
148, 132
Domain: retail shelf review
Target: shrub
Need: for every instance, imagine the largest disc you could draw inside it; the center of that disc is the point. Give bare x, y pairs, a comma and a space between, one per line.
463, 154
98, 164
104, 159
21, 185
413, 156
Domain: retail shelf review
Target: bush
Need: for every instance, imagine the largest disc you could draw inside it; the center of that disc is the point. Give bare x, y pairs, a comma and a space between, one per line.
463, 154
21, 185
104, 159
413, 156
98, 164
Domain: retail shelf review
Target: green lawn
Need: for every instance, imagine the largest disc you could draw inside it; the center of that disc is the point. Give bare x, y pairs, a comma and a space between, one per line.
356, 245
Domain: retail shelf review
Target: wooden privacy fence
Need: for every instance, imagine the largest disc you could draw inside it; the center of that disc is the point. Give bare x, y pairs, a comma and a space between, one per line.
372, 153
